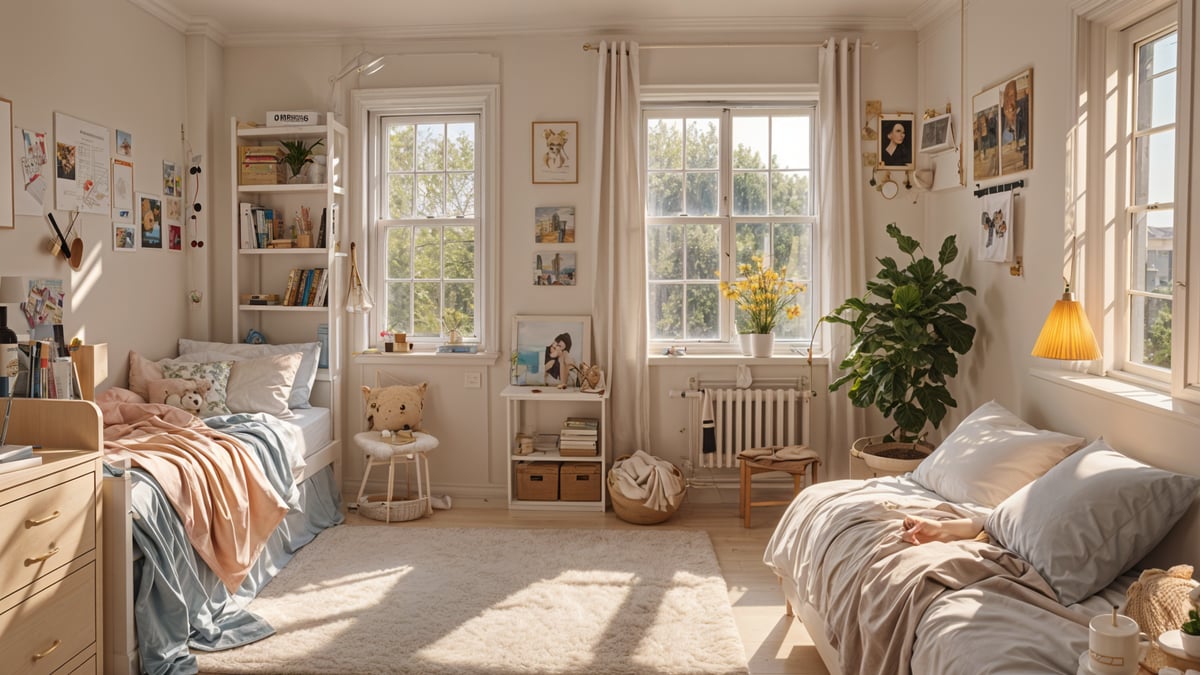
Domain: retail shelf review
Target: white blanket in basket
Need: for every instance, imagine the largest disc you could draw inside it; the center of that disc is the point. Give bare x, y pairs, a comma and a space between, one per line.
649, 479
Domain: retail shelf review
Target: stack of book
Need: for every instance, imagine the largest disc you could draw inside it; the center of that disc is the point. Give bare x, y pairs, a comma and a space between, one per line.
13, 457
578, 437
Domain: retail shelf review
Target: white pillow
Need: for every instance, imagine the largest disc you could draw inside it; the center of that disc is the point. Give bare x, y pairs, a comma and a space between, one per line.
991, 455
256, 385
1090, 518
306, 375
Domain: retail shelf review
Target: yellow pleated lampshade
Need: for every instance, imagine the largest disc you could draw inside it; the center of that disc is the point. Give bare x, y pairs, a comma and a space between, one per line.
1067, 335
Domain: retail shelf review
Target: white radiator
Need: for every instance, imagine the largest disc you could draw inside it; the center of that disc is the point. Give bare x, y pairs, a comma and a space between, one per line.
748, 418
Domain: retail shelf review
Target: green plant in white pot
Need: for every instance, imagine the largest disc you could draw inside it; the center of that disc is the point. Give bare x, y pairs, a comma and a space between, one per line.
908, 331
296, 154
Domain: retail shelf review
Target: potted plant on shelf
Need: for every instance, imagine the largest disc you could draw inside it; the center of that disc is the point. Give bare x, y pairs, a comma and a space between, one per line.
762, 296
1189, 634
296, 154
908, 331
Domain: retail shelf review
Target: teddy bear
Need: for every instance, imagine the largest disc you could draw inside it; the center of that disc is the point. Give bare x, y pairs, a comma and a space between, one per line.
394, 408
186, 394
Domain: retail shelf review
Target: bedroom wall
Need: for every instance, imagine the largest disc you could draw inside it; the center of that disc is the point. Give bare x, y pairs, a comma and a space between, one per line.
108, 63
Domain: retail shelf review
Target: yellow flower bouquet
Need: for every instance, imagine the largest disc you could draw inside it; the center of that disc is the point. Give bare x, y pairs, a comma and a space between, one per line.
763, 295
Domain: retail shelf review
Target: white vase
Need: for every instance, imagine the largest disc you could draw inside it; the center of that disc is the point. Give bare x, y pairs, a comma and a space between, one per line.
757, 344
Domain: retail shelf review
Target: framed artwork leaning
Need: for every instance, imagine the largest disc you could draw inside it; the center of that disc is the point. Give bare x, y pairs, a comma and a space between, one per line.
544, 349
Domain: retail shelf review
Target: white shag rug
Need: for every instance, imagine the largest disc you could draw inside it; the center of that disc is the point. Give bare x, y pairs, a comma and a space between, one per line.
402, 599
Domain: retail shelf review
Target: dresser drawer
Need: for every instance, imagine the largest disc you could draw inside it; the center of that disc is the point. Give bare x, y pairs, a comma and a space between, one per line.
51, 626
45, 530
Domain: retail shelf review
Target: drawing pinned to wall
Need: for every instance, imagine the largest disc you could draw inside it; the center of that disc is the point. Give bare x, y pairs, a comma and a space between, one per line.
996, 233
31, 160
124, 143
896, 141
44, 304
123, 237
81, 166
172, 183
150, 217
122, 184
554, 225
554, 268
175, 237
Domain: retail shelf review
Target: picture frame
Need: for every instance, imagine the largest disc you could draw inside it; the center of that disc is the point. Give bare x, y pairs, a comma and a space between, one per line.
537, 355
555, 152
937, 134
1002, 127
554, 225
896, 149
8, 219
554, 268
149, 214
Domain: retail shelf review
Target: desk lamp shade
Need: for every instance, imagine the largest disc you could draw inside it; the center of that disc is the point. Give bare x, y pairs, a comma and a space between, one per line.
1067, 335
358, 298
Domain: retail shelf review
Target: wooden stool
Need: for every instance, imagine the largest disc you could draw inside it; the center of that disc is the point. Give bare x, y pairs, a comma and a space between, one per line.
768, 462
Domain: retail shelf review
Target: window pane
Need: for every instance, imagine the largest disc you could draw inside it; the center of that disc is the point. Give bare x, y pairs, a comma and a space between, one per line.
460, 197
400, 196
459, 262
431, 147
461, 299
1152, 249
1150, 331
1156, 102
751, 146
750, 193
460, 153
427, 256
790, 142
666, 311
427, 309
663, 244
793, 249
664, 194
431, 195
751, 240
703, 311
789, 193
399, 253
400, 147
399, 306
703, 252
1158, 56
703, 144
664, 144
701, 194
1154, 168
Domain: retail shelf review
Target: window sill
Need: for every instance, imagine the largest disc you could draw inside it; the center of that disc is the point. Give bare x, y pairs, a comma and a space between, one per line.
714, 359
424, 358
1125, 392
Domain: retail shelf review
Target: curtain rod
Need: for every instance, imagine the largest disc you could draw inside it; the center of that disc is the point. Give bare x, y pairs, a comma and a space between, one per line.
589, 47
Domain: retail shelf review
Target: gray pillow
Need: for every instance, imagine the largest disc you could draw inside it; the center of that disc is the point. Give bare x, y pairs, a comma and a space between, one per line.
1090, 518
306, 375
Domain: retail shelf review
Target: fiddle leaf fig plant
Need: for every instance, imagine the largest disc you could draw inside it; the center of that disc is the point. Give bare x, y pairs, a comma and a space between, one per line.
908, 331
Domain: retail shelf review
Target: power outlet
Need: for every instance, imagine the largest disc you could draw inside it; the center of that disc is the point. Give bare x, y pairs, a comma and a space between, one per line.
472, 379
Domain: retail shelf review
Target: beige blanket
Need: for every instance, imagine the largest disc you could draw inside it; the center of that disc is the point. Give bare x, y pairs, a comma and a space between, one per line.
227, 506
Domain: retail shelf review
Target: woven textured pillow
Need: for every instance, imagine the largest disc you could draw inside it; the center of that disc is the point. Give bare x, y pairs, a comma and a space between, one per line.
1158, 601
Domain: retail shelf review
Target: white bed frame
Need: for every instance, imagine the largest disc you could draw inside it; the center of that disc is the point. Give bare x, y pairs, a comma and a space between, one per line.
120, 639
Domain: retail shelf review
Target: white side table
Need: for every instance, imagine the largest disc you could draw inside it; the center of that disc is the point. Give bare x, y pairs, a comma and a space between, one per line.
380, 450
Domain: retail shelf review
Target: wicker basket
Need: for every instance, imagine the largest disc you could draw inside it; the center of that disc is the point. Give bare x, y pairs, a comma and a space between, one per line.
874, 452
635, 512
376, 508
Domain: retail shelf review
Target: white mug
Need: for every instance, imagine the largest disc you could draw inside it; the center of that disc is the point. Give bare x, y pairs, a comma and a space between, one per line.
1114, 650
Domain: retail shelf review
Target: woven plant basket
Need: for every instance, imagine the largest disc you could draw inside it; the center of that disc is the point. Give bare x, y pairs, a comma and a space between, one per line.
890, 457
375, 508
635, 512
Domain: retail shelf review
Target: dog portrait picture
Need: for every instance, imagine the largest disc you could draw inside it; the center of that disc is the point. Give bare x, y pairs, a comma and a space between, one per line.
555, 152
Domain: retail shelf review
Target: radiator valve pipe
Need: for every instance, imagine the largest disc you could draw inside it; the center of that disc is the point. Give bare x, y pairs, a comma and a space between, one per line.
684, 393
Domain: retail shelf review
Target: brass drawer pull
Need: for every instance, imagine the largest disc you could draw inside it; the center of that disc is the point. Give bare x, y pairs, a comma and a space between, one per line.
41, 655
34, 522
41, 558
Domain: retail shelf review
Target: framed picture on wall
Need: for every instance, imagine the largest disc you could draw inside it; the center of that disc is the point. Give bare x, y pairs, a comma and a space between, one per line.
554, 225
1002, 127
553, 268
555, 152
896, 141
937, 134
545, 348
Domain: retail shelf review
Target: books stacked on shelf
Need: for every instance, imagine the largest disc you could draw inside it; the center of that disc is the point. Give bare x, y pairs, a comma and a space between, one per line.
579, 437
43, 373
458, 349
307, 288
545, 443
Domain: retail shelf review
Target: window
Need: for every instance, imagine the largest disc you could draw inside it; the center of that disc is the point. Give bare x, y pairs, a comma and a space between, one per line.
723, 185
430, 205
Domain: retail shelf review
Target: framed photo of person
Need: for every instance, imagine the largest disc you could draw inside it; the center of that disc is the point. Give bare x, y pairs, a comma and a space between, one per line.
546, 347
896, 141
1002, 127
555, 152
937, 134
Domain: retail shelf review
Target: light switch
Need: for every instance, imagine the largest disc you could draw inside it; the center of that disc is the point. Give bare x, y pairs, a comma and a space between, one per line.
472, 379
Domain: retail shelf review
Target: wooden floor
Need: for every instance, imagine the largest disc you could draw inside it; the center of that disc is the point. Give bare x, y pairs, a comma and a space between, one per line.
775, 643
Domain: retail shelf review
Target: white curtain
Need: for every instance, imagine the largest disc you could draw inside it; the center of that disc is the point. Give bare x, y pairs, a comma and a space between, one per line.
842, 246
619, 298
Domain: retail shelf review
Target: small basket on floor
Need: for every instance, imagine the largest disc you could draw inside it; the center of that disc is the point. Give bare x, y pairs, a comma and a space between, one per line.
376, 508
633, 511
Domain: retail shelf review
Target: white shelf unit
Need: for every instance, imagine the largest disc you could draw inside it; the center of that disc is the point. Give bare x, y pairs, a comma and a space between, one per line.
265, 270
554, 406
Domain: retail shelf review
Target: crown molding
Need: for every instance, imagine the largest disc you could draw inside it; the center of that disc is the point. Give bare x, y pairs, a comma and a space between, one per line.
165, 11
932, 11
210, 29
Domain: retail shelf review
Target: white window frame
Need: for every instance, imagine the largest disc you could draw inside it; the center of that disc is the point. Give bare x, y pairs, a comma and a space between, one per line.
368, 106
772, 100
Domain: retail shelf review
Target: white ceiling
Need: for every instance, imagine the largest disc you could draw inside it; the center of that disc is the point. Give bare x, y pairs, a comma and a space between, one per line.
259, 21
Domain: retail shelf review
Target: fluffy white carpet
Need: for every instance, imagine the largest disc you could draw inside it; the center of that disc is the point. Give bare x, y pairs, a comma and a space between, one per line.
402, 599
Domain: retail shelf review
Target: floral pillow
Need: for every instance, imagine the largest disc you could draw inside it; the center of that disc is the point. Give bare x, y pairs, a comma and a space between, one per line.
216, 372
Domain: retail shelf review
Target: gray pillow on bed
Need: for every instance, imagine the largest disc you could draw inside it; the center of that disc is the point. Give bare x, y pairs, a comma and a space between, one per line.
306, 375
1090, 518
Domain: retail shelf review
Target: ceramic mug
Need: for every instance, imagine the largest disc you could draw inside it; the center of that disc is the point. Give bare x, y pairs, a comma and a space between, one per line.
1115, 649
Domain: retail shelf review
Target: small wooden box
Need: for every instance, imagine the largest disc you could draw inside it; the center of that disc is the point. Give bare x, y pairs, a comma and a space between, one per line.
261, 174
579, 482
537, 481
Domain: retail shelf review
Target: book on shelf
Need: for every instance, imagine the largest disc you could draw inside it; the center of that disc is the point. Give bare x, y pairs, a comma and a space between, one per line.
545, 442
246, 234
458, 349
579, 435
16, 464
582, 423
12, 453
576, 445
321, 231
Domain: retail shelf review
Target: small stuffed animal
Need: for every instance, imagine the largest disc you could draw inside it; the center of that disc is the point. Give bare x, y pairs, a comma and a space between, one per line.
186, 394
396, 407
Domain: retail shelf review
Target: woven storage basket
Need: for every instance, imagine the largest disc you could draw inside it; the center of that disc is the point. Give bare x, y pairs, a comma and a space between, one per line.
635, 512
375, 508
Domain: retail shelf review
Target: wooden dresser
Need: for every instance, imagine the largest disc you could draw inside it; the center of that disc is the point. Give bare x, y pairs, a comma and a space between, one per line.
50, 543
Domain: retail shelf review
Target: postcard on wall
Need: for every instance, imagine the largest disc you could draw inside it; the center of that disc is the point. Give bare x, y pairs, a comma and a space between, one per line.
150, 217
175, 237
172, 183
554, 268
81, 163
555, 152
554, 225
122, 189
124, 238
44, 304
30, 156
124, 142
